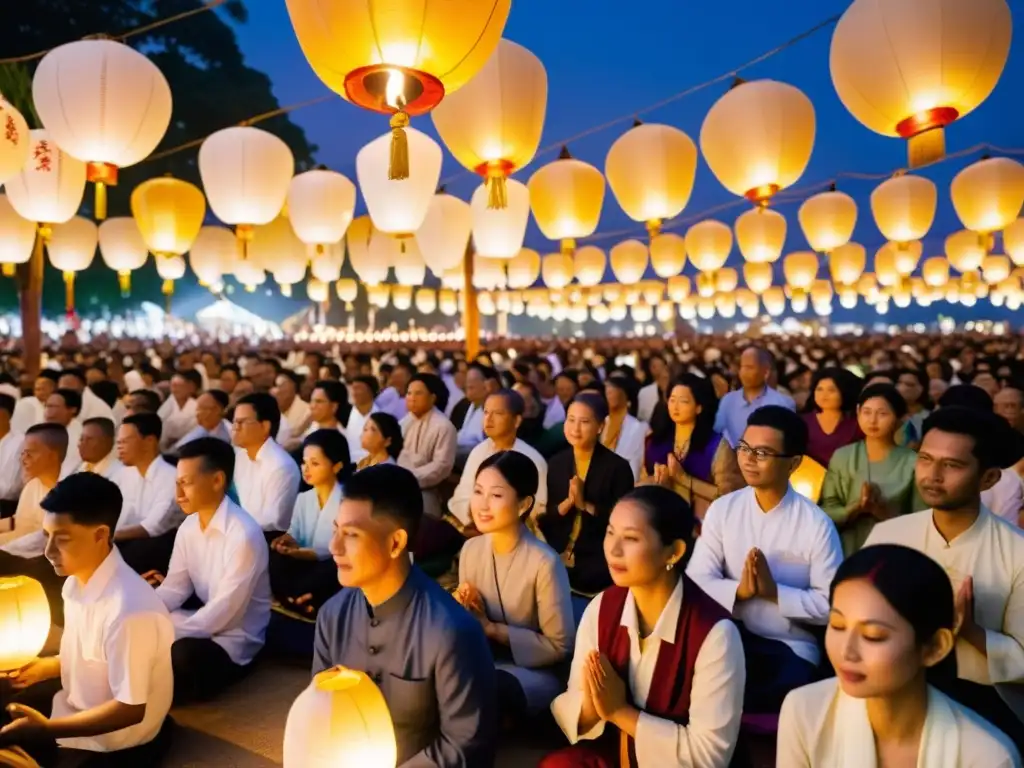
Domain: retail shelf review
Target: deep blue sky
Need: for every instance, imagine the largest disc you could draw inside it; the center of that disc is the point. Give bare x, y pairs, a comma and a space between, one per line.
603, 62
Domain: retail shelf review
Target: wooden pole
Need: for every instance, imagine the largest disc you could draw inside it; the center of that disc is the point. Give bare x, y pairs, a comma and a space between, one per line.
30, 300
470, 311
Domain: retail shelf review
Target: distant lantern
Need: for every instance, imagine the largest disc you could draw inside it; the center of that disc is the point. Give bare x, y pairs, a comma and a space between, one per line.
359, 236
317, 290
493, 124
523, 269
758, 276
965, 251
447, 302
726, 280
213, 254
847, 263
909, 68
17, 237
905, 256
399, 209
904, 207
668, 254
885, 266
761, 235
49, 187
557, 270
288, 272
15, 140
401, 59
104, 103
249, 274
589, 264
321, 204
757, 139
72, 247
566, 198
347, 290
408, 263
444, 234
170, 269
401, 297
25, 621
169, 213
498, 233
629, 261
651, 169
988, 195
327, 265
122, 248
1013, 241
246, 173
774, 300
275, 245
935, 272
708, 244
678, 288
800, 269
425, 301
828, 220
995, 269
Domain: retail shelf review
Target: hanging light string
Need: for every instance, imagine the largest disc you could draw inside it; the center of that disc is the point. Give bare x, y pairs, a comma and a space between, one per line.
207, 6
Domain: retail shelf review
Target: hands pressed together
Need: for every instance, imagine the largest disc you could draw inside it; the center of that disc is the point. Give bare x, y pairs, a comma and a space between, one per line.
757, 579
469, 598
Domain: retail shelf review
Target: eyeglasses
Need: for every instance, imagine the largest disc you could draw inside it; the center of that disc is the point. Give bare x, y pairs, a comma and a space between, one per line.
242, 423
761, 455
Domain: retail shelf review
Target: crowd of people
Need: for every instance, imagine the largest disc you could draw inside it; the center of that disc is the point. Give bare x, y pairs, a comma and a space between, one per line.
673, 550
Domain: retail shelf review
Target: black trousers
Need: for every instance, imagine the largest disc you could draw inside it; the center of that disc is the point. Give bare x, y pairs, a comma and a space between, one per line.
202, 670
38, 568
291, 578
150, 554
773, 670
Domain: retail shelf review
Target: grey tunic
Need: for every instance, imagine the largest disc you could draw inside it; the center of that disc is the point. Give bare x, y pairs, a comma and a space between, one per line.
430, 659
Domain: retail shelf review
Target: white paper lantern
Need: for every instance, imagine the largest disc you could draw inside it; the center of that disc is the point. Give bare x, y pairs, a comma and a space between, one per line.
398, 207
321, 204
444, 234
499, 232
15, 140
17, 237
359, 237
49, 187
523, 269
589, 265
122, 248
213, 254
326, 265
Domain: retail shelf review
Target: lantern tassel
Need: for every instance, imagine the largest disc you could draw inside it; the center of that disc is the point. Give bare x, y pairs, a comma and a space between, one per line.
399, 167
926, 147
101, 201
124, 279
69, 292
9, 269
497, 193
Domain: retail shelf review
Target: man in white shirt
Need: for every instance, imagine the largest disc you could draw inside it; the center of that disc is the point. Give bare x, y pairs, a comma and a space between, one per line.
294, 410
266, 477
178, 411
147, 527
96, 447
29, 410
768, 555
11, 477
210, 409
471, 431
109, 690
984, 556
92, 406
62, 408
219, 565
363, 391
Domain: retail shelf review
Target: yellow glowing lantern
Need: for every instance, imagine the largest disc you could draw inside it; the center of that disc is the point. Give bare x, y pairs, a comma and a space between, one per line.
848, 298
726, 280
122, 248
641, 312
347, 290
408, 263
904, 207
652, 291
867, 286
489, 274
317, 290
885, 266
275, 245
444, 234
903, 257
169, 213
800, 269
327, 264
909, 68
104, 103
708, 244
72, 246
1013, 241
378, 295
589, 265
401, 297
761, 235
668, 254
499, 232
758, 276
359, 237
170, 268
25, 618
288, 272
213, 254
988, 195
523, 268
321, 205
650, 169
447, 302
249, 274
629, 261
425, 300
847, 263
965, 251
399, 209
706, 284
557, 270
995, 269
566, 198
757, 139
399, 59
15, 140
821, 292
774, 300
935, 272
493, 124
600, 314
827, 220
17, 237
678, 288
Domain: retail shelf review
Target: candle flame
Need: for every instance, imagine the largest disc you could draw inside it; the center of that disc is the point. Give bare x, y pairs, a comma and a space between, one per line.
395, 91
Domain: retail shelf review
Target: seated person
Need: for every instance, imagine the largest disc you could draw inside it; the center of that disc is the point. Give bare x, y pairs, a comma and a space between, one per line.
220, 558
62, 408
892, 621
381, 440
517, 587
96, 447
657, 676
210, 422
767, 555
429, 450
427, 655
178, 411
104, 700
302, 574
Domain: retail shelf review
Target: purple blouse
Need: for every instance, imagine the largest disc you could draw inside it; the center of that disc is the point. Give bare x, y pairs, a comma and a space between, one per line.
821, 446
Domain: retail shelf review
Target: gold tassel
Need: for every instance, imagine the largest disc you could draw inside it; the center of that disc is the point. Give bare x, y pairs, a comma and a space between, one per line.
926, 148
124, 279
497, 193
101, 201
399, 167
168, 287
9, 269
69, 292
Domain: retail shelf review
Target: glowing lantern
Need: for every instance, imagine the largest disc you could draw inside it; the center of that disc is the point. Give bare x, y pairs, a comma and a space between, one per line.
706, 285
652, 291
444, 234
347, 290
557, 270
287, 272
523, 268
708, 244
25, 618
104, 103
402, 59
935, 272
122, 248
650, 169
600, 314
425, 300
170, 268
726, 280
378, 295
275, 245
800, 269
327, 265
827, 220
249, 274
678, 288
14, 140
761, 235
847, 263
629, 261
1013, 241
988, 195
72, 246
904, 207
399, 209
903, 257
169, 214
965, 251
360, 234
401, 297
885, 267
566, 197
17, 237
317, 290
213, 254
499, 232
758, 276
668, 254
589, 264
321, 205
774, 300
408, 263
995, 269
493, 124
245, 173
757, 139
908, 68
848, 298
447, 302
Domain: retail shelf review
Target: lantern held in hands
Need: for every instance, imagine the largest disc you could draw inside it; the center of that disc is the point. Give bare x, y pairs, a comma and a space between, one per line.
24, 621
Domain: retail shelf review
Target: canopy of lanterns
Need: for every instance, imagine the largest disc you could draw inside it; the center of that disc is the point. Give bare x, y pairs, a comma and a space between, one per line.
487, 97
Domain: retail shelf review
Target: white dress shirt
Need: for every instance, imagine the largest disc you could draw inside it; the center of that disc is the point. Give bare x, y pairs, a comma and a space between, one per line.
267, 487
458, 504
116, 646
11, 476
28, 412
472, 431
716, 696
354, 433
28, 538
312, 525
178, 420
803, 551
94, 407
221, 432
631, 443
226, 567
1005, 499
646, 402
72, 459
108, 467
297, 415
150, 499
315, 427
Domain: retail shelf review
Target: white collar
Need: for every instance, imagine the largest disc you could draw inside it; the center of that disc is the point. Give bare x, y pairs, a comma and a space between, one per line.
665, 627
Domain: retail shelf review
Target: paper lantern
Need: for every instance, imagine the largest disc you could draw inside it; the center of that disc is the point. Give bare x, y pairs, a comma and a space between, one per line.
246, 173
249, 274
847, 263
122, 248
758, 276
347, 290
761, 235
668, 254
493, 124
407, 261
170, 268
908, 68
169, 213
104, 103
566, 198
1013, 241
995, 269
774, 300
399, 208
650, 169
800, 269
320, 206
757, 139
726, 280
725, 305
275, 245
401, 297
15, 140
49, 187
706, 285
72, 246
425, 300
935, 272
678, 288
885, 266
965, 251
360, 234
317, 290
17, 237
378, 295
288, 272
326, 264
523, 268
213, 254
652, 291
708, 244
499, 232
641, 312
557, 270
988, 194
902, 258
629, 261
24, 621
904, 207
401, 59
444, 234
588, 265
828, 220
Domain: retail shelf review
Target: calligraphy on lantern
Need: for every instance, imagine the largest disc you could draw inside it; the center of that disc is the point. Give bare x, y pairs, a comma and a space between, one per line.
10, 130
43, 156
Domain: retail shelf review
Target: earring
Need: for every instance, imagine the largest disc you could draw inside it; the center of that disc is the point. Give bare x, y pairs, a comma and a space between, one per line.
669, 565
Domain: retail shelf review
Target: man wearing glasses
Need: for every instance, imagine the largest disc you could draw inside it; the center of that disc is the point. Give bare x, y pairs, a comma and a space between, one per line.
768, 555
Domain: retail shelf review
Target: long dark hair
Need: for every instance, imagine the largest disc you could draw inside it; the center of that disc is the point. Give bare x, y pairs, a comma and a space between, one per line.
664, 429
519, 472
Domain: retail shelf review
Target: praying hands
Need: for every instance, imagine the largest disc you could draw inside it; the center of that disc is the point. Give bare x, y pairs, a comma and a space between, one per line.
756, 579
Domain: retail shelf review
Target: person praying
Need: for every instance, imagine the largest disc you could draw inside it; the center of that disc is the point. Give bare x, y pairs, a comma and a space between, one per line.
430, 439
768, 554
426, 654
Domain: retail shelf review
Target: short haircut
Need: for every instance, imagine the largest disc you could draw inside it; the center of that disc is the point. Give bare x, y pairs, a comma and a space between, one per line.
514, 402
87, 498
150, 398
389, 428
487, 371
393, 492
996, 444
292, 376
966, 396
220, 396
193, 377
369, 381
336, 391
216, 455
78, 373
103, 424
231, 367
436, 387
764, 357
266, 408
107, 391
7, 403
333, 369
335, 447
146, 424
781, 419
887, 392
48, 373
71, 399
54, 435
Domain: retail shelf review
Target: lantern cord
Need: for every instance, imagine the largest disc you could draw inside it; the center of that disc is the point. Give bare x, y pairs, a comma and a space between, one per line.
207, 6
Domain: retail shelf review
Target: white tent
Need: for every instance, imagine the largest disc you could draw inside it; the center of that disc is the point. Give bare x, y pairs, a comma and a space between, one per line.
224, 316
